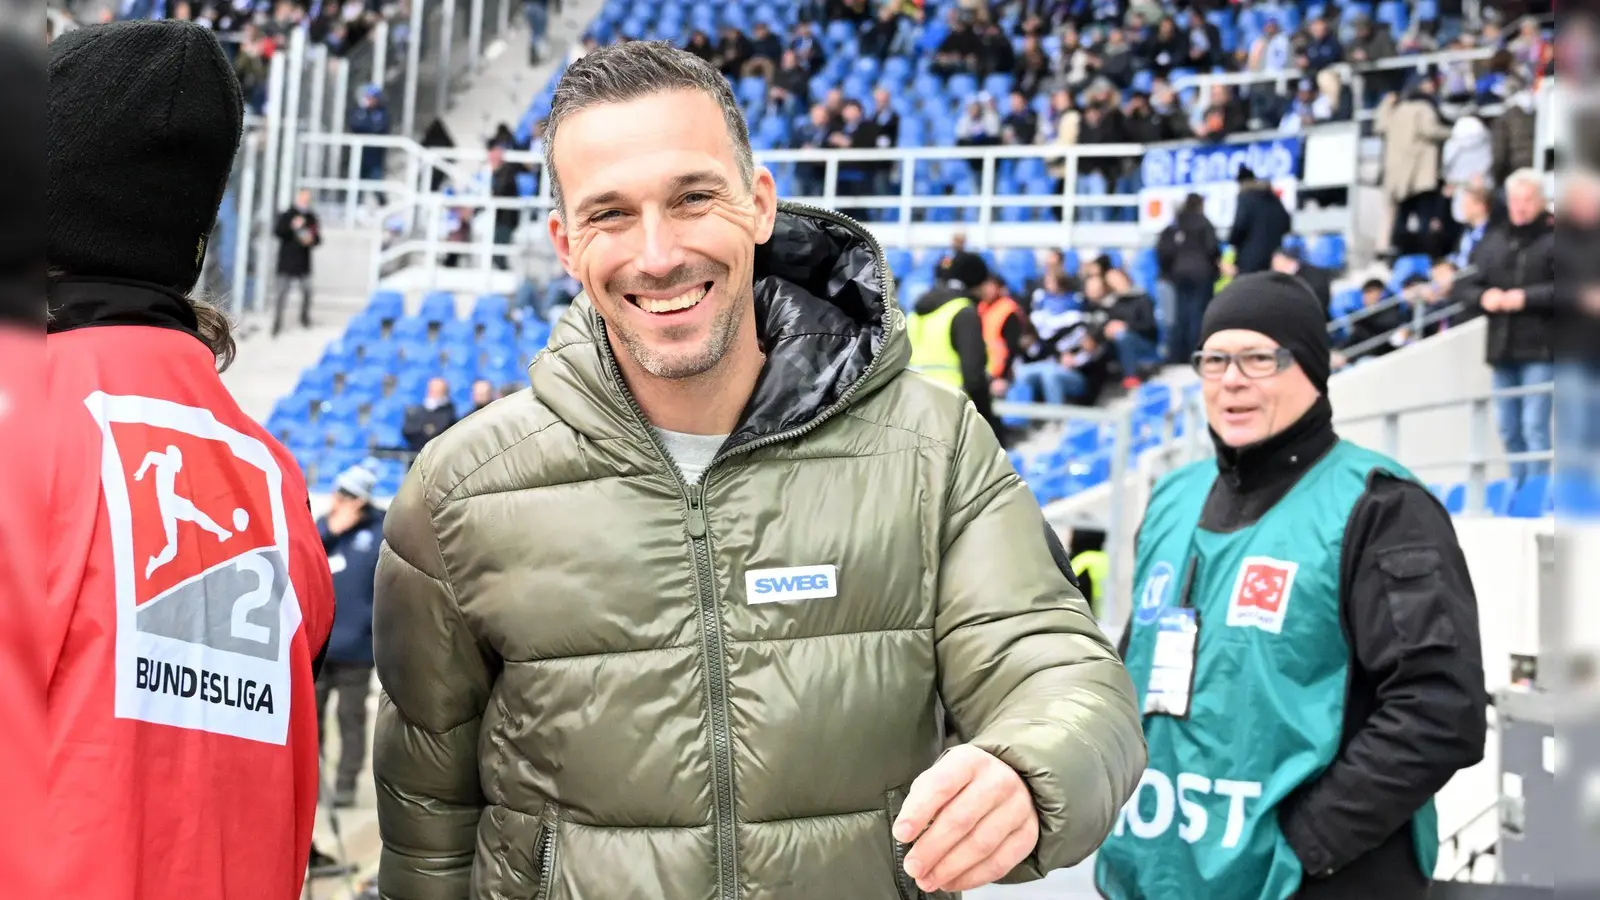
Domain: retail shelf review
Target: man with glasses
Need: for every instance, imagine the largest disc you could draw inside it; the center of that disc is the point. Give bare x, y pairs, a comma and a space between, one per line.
1304, 641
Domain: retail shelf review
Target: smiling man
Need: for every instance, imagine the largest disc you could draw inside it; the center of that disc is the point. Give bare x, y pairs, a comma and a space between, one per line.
1304, 641
690, 619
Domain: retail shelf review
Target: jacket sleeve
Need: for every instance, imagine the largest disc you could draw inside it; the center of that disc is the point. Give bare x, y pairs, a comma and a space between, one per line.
1412, 618
1024, 670
966, 335
436, 681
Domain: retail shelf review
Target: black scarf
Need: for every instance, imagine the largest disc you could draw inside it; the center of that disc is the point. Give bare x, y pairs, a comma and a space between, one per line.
96, 302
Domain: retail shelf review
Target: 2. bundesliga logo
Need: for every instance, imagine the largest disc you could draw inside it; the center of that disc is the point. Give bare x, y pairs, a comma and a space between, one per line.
205, 607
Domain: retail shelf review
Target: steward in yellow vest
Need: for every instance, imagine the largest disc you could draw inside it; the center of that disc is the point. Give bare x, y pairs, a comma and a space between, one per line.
946, 333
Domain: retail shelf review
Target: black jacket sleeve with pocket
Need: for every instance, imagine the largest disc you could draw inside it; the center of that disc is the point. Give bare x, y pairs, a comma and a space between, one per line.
1416, 707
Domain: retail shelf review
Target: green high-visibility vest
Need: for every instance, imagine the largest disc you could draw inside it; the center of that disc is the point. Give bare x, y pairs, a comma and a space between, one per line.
1267, 705
932, 352
1098, 565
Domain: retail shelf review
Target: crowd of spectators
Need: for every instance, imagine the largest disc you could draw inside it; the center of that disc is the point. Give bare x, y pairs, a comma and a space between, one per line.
252, 31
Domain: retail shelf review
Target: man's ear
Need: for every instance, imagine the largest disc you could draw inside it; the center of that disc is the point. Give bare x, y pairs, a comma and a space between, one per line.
764, 194
560, 240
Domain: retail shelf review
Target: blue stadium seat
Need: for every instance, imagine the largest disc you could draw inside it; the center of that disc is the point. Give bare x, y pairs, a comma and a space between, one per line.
365, 326
1328, 251
1497, 496
457, 331
343, 436
1407, 266
490, 307
410, 328
386, 436
387, 305
419, 353
527, 184
318, 381
439, 306
379, 350
1532, 498
390, 411
899, 261
411, 384
1455, 499
367, 380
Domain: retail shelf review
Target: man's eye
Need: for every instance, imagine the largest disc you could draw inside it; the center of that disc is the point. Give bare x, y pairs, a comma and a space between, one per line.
604, 215
696, 198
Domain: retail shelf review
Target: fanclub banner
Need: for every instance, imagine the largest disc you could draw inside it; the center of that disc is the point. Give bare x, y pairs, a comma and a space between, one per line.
1170, 175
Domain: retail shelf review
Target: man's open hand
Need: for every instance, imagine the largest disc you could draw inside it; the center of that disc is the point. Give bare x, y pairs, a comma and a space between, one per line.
972, 819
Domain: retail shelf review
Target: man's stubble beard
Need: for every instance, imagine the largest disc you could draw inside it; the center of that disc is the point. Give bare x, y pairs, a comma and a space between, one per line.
676, 367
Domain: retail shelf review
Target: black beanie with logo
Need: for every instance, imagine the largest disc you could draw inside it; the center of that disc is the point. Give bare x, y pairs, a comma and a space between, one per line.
1283, 308
144, 118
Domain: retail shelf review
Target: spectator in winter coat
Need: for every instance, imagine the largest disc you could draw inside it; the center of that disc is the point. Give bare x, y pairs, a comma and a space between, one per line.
299, 232
371, 116
1513, 280
1131, 328
430, 418
1188, 256
1412, 133
1515, 133
352, 532
1259, 223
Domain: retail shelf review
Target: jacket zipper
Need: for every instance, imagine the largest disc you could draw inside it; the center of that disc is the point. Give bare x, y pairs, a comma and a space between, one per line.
710, 615
908, 889
547, 861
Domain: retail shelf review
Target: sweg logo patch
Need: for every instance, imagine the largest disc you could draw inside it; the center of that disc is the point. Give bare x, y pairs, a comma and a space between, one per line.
789, 585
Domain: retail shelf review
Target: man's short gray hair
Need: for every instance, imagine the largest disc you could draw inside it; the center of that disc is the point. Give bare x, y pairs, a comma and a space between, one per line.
624, 72
1526, 177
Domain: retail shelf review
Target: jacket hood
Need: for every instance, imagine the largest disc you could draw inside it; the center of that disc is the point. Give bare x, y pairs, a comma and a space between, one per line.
826, 318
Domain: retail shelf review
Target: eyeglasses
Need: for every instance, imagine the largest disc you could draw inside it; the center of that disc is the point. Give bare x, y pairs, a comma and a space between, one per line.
1213, 364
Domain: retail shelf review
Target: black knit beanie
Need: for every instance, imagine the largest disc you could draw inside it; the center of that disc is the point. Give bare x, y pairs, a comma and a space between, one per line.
1283, 308
144, 119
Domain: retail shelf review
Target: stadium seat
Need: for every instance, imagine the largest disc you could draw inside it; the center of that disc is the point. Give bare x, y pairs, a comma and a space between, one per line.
490, 308
1532, 498
410, 328
457, 331
1455, 499
387, 305
366, 326
1497, 496
319, 381
1328, 252
439, 306
366, 381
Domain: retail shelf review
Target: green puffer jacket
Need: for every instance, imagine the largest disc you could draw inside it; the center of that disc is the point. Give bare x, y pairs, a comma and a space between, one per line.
581, 702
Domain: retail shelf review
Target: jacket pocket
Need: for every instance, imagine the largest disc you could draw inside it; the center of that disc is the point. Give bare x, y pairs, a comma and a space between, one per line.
1418, 597
547, 851
894, 799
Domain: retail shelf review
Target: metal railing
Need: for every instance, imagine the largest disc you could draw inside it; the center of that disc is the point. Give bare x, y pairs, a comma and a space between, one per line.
915, 215
1476, 461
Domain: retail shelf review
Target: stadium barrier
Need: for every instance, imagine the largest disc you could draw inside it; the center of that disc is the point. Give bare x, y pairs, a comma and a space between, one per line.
999, 197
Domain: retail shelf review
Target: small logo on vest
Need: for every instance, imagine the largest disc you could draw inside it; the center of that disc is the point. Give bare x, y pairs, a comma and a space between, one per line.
1261, 594
790, 585
1157, 587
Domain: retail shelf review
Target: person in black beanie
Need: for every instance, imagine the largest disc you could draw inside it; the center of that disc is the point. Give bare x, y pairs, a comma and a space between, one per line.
1318, 586
163, 495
